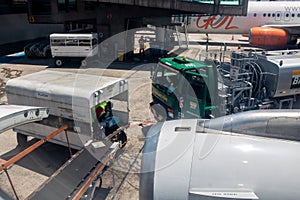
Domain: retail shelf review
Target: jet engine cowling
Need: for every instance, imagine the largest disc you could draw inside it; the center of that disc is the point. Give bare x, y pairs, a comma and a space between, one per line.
268, 37
249, 155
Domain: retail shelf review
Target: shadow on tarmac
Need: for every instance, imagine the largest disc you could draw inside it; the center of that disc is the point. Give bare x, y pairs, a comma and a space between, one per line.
44, 160
101, 193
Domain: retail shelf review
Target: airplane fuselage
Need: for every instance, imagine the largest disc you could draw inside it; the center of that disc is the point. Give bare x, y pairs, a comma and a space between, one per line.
271, 14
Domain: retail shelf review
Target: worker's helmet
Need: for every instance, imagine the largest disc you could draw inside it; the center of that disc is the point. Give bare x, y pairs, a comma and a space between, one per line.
100, 109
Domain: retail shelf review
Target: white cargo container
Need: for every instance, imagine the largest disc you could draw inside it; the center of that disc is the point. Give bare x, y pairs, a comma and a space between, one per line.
72, 99
73, 45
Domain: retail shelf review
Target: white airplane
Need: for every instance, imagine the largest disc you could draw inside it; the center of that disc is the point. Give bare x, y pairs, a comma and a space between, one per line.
275, 23
249, 155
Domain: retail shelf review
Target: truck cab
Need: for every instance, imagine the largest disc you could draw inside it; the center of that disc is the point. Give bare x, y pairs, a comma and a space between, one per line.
183, 88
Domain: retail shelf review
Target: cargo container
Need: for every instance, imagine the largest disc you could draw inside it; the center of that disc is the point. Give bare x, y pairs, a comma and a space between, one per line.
73, 99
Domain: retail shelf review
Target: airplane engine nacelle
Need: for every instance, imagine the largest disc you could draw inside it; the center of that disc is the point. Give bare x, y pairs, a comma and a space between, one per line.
249, 155
266, 36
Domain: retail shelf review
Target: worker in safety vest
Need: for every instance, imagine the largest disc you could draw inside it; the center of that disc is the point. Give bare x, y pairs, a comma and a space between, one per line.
104, 113
109, 122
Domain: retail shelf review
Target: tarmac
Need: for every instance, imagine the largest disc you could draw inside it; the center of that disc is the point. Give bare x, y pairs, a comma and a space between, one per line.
121, 180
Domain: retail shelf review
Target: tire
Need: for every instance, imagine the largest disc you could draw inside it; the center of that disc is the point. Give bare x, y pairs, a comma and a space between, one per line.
84, 63
58, 62
158, 112
22, 140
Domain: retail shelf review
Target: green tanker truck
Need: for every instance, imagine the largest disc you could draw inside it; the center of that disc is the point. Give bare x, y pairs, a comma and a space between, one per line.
187, 88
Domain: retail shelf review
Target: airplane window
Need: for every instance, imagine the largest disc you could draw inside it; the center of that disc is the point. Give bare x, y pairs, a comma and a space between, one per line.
298, 15
269, 15
254, 14
264, 14
287, 14
278, 14
293, 15
273, 15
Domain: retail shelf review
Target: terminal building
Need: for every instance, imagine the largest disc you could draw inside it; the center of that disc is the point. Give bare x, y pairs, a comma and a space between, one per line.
15, 26
124, 14
110, 17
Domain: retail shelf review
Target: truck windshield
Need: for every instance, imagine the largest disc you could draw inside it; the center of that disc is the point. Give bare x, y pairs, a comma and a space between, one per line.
166, 78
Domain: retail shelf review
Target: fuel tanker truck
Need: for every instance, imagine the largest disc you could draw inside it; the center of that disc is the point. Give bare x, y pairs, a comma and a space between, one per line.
187, 88
247, 155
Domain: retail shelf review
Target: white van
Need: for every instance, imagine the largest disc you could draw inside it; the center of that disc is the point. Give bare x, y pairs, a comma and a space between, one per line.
73, 45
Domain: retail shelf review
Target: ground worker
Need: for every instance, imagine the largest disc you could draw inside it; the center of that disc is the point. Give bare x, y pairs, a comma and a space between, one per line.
100, 110
109, 123
142, 45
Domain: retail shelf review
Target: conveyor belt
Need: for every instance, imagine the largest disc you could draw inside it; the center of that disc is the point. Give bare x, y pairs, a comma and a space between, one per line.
65, 181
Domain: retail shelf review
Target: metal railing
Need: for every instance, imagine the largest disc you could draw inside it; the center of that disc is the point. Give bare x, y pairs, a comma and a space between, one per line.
4, 167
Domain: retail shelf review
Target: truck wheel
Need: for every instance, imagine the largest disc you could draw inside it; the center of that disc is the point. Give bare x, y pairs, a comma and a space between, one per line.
58, 62
84, 63
158, 112
22, 140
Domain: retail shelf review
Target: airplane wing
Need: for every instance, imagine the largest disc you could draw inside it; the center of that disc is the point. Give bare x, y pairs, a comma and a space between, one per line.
282, 25
15, 115
293, 29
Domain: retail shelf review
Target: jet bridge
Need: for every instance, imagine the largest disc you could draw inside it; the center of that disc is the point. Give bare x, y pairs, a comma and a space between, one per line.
111, 17
82, 11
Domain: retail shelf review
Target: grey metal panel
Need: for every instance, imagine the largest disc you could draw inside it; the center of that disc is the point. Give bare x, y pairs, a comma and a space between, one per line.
40, 131
173, 160
188, 6
236, 163
227, 164
14, 115
62, 87
282, 124
70, 97
280, 83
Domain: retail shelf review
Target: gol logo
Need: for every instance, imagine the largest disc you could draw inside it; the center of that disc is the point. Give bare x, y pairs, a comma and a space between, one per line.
215, 22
